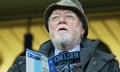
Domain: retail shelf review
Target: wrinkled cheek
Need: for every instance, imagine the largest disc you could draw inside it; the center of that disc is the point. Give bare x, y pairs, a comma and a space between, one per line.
51, 33
73, 31
76, 32
51, 28
73, 34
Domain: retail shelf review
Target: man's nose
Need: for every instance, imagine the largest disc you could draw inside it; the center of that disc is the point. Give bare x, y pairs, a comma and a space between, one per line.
62, 20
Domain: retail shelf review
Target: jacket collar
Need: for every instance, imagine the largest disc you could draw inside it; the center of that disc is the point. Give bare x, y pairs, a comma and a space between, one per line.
87, 51
91, 53
87, 45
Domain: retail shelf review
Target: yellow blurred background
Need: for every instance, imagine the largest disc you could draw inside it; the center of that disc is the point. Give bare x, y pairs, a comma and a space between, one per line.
12, 36
15, 15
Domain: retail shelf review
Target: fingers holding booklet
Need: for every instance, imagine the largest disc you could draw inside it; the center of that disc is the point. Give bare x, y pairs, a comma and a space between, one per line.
36, 62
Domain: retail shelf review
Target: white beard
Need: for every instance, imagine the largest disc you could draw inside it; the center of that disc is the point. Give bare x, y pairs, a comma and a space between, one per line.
65, 41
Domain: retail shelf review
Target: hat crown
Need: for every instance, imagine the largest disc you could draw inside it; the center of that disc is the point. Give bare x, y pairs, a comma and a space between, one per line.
71, 3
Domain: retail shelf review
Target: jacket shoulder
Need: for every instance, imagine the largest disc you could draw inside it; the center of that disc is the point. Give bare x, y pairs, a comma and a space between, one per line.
19, 66
104, 62
101, 55
47, 48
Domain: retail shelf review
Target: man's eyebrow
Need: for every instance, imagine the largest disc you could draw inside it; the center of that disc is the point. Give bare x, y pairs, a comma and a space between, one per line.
55, 13
68, 11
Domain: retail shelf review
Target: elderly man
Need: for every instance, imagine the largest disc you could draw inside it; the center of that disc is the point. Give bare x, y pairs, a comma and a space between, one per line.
67, 25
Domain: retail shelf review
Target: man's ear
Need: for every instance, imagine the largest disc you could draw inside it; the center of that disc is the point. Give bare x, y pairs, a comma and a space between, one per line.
82, 31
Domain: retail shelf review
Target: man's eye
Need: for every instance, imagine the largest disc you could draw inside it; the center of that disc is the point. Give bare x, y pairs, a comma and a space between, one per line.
55, 18
70, 17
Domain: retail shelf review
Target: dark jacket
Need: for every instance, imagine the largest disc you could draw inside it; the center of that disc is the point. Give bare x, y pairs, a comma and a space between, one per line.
92, 58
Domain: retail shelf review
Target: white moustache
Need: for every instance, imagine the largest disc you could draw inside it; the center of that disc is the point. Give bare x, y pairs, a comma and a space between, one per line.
62, 27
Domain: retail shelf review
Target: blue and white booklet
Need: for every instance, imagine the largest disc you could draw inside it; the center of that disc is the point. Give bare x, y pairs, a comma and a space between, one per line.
36, 62
64, 62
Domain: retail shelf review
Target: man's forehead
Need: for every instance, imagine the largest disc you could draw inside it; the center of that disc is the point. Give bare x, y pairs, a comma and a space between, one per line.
62, 10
